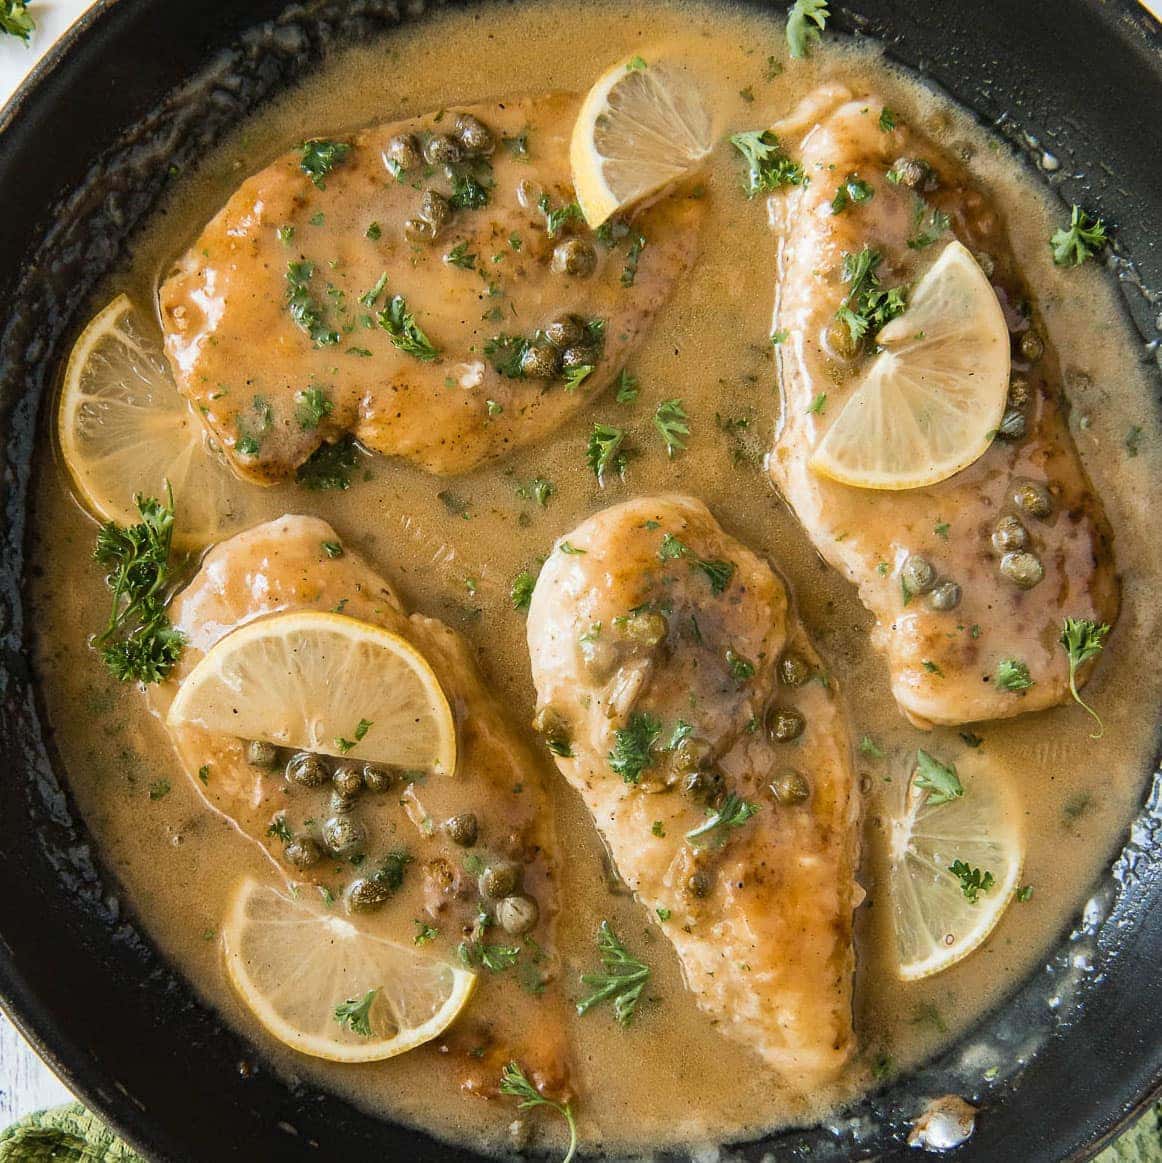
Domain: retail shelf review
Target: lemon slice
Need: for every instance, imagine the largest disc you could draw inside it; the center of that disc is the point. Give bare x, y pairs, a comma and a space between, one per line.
124, 429
641, 126
294, 963
936, 922
931, 401
325, 683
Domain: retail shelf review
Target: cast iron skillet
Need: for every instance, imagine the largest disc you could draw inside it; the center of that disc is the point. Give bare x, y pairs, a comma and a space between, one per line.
85, 150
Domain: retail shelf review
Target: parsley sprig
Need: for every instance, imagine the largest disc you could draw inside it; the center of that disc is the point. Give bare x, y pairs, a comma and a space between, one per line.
605, 451
621, 981
939, 780
139, 644
1083, 639
320, 156
405, 332
16, 20
1080, 240
805, 21
867, 307
768, 166
633, 745
355, 1013
972, 881
673, 425
733, 813
515, 1084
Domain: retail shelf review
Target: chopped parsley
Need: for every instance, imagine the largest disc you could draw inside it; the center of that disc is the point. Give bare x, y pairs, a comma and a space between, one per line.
514, 1084
494, 958
637, 244
926, 233
576, 376
329, 467
604, 451
15, 19
1013, 675
940, 781
887, 119
506, 352
320, 157
768, 166
869, 747
405, 333
867, 307
280, 829
425, 933
670, 420
521, 591
159, 789
312, 405
717, 572
627, 387
621, 980
1082, 639
818, 405
304, 310
805, 21
972, 881
633, 748
459, 256
355, 1013
733, 813
556, 219
852, 191
538, 489
1080, 240
467, 193
332, 549
741, 668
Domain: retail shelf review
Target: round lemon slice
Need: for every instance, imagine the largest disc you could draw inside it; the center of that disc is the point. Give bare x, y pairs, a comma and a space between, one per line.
942, 915
931, 401
125, 429
641, 126
323, 987
325, 683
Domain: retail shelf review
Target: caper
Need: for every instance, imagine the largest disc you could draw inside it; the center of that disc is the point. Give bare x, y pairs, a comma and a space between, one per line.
1022, 568
339, 804
517, 914
700, 883
918, 574
307, 770
1033, 498
565, 331
914, 173
646, 626
378, 778
259, 753
540, 362
574, 256
946, 596
419, 230
1009, 534
347, 780
690, 754
1032, 347
499, 880
302, 852
1018, 392
838, 339
402, 151
343, 836
790, 786
367, 894
442, 150
554, 728
707, 784
474, 136
462, 829
785, 724
794, 670
579, 355
1012, 425
600, 655
435, 208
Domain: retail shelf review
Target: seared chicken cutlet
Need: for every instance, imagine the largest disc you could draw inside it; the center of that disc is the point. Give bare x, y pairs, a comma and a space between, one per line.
299, 563
428, 287
975, 573
685, 703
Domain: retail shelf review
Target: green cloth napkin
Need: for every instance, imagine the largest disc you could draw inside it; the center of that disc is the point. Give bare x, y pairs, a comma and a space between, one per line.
70, 1134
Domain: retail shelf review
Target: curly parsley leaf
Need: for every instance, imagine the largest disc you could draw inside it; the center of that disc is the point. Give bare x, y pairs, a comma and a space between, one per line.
329, 467
633, 746
805, 21
621, 981
405, 333
1083, 639
1080, 240
514, 1084
867, 307
320, 156
521, 591
303, 307
671, 421
1013, 675
940, 781
972, 881
851, 191
312, 406
733, 813
768, 166
16, 20
604, 451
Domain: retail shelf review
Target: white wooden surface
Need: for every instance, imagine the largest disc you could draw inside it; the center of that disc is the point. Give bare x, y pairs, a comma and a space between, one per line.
26, 1084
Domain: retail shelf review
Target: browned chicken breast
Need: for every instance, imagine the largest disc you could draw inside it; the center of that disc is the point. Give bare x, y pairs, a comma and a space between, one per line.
984, 566
428, 287
492, 812
690, 713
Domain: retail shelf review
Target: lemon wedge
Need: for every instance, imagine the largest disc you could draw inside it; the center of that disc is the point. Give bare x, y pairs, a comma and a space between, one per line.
942, 915
323, 987
125, 429
641, 126
324, 683
932, 399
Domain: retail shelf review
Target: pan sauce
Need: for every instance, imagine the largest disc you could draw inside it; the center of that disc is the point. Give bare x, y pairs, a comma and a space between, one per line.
670, 1077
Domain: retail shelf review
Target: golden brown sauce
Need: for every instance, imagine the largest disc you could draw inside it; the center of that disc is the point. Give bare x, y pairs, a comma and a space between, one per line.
653, 1083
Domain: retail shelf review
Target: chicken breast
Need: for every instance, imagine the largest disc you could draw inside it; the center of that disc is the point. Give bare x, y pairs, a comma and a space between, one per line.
943, 647
282, 566
277, 320
724, 791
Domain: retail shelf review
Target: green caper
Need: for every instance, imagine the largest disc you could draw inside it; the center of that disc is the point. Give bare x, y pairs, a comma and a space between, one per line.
1033, 498
645, 626
302, 852
574, 256
579, 355
462, 829
419, 230
307, 770
790, 786
259, 753
700, 883
785, 724
1022, 569
343, 836
706, 784
500, 880
402, 151
946, 596
690, 754
565, 331
917, 575
599, 654
339, 804
1012, 425
442, 150
435, 208
378, 778
1009, 534
1032, 346
794, 670
366, 894
517, 914
540, 362
347, 780
1018, 392
474, 136
554, 728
